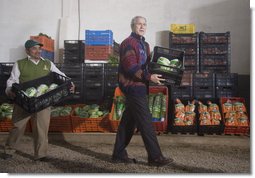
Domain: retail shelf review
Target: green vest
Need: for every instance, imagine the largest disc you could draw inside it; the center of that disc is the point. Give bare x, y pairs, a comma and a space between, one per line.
30, 71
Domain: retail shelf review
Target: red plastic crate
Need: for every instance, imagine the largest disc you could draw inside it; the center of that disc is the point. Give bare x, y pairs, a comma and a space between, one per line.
97, 52
48, 44
6, 125
100, 124
234, 130
160, 126
61, 124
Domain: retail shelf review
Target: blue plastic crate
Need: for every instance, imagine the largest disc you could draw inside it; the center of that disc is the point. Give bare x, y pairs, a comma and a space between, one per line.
99, 37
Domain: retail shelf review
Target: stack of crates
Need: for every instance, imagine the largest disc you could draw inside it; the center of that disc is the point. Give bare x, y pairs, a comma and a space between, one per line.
226, 84
215, 52
99, 44
204, 85
75, 72
47, 48
110, 82
93, 83
5, 72
189, 43
74, 51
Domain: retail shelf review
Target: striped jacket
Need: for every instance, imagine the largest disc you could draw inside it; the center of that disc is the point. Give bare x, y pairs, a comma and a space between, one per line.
133, 72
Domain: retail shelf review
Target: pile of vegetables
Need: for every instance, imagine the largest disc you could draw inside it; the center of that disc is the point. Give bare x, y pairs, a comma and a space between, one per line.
6, 111
235, 113
184, 115
209, 115
40, 90
89, 111
61, 111
168, 64
157, 106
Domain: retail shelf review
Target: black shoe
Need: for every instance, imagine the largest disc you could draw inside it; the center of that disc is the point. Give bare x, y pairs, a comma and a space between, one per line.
5, 156
161, 161
44, 159
124, 160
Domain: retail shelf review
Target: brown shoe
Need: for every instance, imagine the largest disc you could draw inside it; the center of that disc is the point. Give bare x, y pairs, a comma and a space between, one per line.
161, 161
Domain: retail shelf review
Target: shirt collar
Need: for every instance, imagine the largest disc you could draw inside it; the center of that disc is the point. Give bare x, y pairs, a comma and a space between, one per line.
29, 58
138, 37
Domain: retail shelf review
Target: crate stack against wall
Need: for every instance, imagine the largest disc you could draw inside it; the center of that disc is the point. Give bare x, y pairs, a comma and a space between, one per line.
48, 46
189, 43
74, 51
110, 82
93, 83
215, 54
75, 72
99, 44
5, 72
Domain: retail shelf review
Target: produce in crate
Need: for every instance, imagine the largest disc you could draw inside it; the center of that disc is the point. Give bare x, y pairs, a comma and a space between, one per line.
61, 111
201, 107
179, 107
167, 64
184, 115
89, 111
212, 106
6, 111
41, 89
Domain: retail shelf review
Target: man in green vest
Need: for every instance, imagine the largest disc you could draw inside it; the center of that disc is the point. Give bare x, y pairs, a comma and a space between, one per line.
30, 68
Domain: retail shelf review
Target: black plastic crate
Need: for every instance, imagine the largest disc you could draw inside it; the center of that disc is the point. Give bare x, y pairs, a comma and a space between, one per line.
187, 39
226, 91
183, 92
229, 79
6, 68
71, 70
203, 79
74, 45
211, 129
173, 75
201, 92
35, 104
187, 129
214, 38
93, 93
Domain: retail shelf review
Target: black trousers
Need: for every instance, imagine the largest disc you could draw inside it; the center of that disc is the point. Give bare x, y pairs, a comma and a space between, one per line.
137, 113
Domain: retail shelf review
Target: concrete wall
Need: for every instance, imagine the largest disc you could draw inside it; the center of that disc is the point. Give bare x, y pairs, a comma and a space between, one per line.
61, 19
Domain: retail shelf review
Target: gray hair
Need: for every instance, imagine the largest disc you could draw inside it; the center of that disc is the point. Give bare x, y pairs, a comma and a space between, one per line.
134, 19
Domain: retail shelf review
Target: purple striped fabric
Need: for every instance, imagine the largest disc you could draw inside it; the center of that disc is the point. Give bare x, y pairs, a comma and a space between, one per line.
133, 72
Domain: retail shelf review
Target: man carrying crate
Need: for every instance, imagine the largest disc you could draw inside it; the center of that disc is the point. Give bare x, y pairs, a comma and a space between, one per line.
133, 82
24, 70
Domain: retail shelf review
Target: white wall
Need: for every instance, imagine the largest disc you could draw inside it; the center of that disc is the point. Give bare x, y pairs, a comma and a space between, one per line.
59, 19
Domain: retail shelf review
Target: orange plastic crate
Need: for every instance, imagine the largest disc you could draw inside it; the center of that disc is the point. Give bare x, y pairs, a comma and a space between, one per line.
234, 130
97, 52
6, 125
48, 44
100, 124
160, 126
61, 124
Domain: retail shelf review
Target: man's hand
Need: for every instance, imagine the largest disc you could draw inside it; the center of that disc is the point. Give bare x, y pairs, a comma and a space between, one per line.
11, 94
72, 89
156, 78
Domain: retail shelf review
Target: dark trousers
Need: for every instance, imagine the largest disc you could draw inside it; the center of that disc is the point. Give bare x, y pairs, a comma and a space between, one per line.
137, 113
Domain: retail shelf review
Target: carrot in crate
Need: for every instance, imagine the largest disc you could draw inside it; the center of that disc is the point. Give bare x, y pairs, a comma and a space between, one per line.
215, 117
202, 108
189, 118
205, 118
179, 107
238, 106
227, 107
242, 119
179, 119
190, 107
231, 119
212, 106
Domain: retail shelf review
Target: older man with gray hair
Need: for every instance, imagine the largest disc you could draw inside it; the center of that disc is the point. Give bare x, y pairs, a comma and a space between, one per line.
134, 83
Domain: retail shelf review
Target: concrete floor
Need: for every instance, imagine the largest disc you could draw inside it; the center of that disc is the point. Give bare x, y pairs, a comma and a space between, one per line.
91, 153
